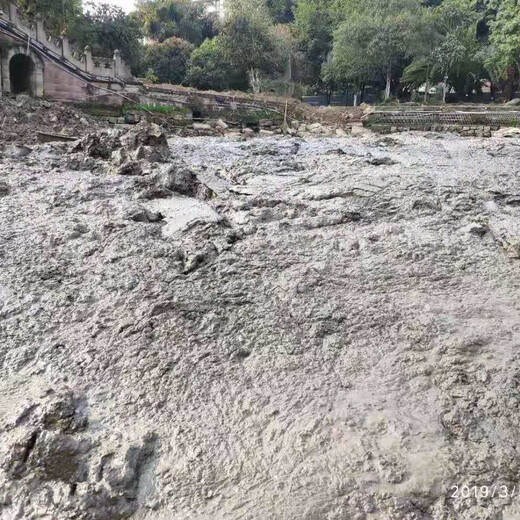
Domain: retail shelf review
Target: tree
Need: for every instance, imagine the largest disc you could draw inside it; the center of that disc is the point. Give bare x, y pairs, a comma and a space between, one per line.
162, 19
314, 25
281, 11
374, 36
454, 54
168, 60
106, 28
209, 69
504, 37
58, 14
249, 41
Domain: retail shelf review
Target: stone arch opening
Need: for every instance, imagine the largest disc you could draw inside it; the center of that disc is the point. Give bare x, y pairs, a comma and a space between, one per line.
21, 73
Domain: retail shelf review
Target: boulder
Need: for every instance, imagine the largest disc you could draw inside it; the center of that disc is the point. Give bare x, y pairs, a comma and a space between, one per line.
148, 140
221, 125
316, 128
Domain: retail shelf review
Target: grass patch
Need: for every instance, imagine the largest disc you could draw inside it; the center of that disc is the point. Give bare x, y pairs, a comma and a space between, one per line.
166, 110
251, 117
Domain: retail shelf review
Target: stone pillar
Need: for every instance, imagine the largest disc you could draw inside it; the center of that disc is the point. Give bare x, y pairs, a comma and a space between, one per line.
37, 76
65, 47
13, 13
117, 63
87, 56
41, 35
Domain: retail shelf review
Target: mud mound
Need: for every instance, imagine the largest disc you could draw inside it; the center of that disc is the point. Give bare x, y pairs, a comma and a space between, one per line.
22, 118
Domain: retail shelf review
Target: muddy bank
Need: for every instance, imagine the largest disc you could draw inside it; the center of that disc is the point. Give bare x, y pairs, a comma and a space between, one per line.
286, 328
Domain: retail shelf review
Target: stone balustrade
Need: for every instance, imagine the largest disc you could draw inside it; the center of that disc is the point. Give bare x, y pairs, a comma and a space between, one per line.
35, 29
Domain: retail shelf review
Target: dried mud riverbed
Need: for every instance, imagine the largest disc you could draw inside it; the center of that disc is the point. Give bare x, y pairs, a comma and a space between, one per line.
318, 329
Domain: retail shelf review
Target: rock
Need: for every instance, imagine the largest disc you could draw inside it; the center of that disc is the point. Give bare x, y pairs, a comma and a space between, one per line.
381, 161
512, 246
265, 132
514, 102
426, 204
95, 146
130, 168
507, 132
222, 125
180, 180
4, 189
248, 131
316, 128
336, 151
201, 126
149, 139
140, 214
19, 151
477, 229
359, 130
118, 156
340, 132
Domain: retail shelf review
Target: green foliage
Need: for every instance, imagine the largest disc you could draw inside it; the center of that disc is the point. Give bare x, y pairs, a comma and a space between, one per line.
167, 110
314, 24
162, 19
373, 37
454, 55
329, 43
281, 11
106, 28
209, 69
168, 60
250, 43
59, 15
505, 35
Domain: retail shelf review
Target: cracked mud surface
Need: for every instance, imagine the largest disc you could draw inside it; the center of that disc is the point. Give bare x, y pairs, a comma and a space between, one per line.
330, 333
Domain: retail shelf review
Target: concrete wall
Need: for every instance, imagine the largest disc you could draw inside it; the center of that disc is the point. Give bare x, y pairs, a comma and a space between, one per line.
114, 67
53, 81
51, 77
60, 85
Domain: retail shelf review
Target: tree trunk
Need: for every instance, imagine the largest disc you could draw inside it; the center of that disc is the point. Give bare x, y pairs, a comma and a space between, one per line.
388, 83
444, 88
427, 84
254, 80
509, 87
355, 98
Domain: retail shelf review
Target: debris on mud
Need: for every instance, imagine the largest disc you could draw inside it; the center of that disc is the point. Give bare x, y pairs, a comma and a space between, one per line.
317, 327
